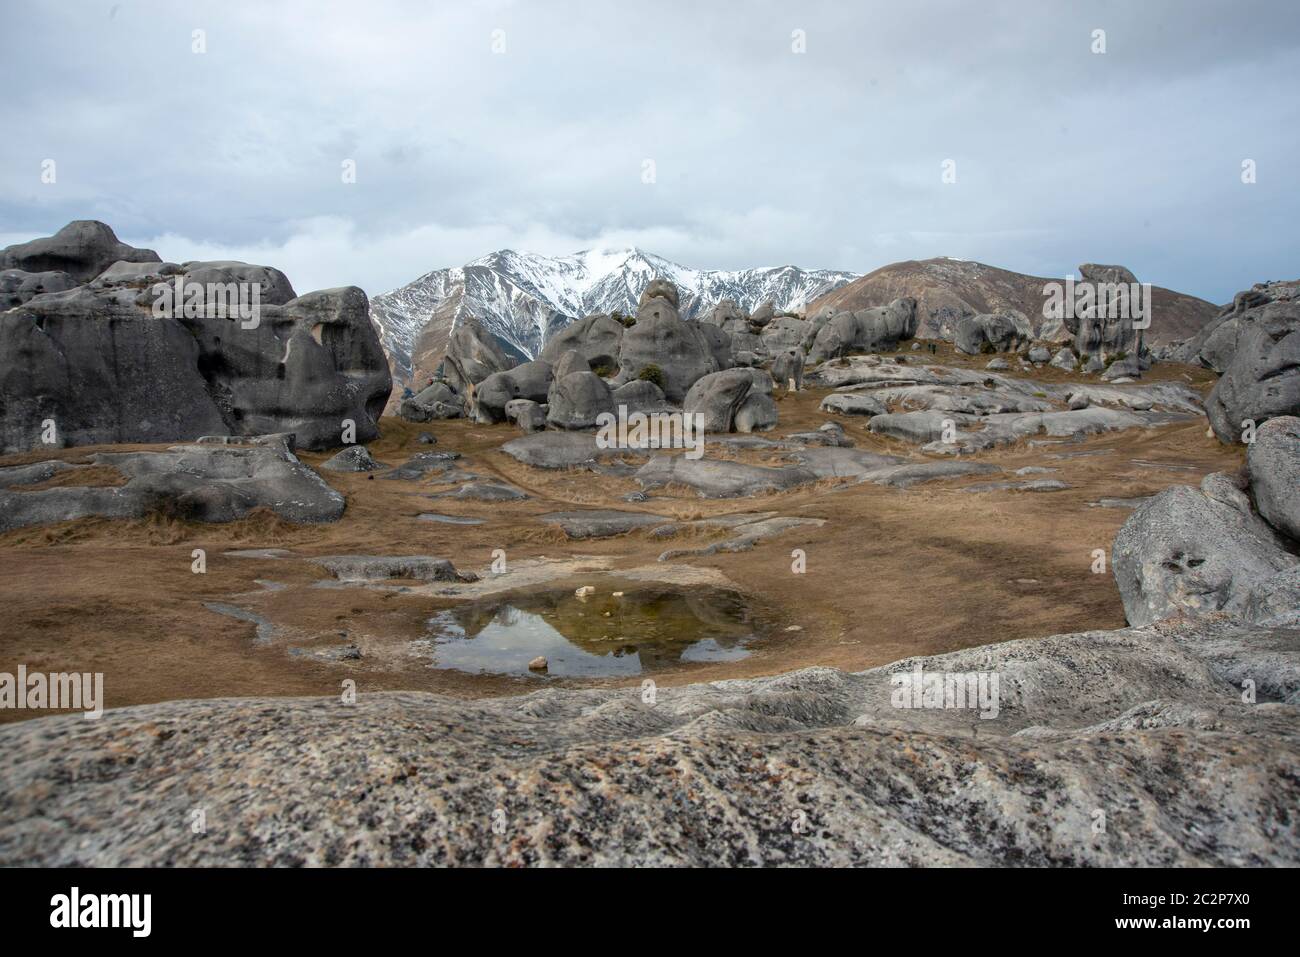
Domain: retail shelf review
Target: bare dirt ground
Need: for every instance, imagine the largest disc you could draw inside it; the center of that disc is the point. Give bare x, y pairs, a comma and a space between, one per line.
892, 573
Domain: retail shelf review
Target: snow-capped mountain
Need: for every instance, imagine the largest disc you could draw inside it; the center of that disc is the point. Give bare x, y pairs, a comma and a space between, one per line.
524, 299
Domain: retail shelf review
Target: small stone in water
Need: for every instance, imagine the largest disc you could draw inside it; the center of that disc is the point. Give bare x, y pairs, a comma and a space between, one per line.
537, 664
584, 591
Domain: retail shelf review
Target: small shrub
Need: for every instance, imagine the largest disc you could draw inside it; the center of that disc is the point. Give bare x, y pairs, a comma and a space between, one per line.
652, 373
986, 348
604, 370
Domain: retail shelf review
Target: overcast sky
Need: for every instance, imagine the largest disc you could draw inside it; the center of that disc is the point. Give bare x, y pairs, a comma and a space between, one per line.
831, 157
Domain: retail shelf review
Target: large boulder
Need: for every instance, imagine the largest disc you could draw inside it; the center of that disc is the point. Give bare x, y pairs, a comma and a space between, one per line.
17, 286
83, 249
718, 397
640, 396
783, 332
437, 401
1101, 330
599, 338
104, 369
1194, 551
577, 399
726, 313
527, 414
787, 368
764, 314
867, 330
990, 332
677, 348
1273, 460
354, 458
472, 355
659, 289
528, 380
720, 344
1263, 379
1216, 342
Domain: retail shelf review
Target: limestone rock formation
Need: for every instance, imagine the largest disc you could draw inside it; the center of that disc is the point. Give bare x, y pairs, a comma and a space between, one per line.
155, 352
83, 249
867, 330
1262, 378
203, 483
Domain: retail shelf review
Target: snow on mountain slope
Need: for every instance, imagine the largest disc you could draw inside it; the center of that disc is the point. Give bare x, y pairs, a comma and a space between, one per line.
524, 299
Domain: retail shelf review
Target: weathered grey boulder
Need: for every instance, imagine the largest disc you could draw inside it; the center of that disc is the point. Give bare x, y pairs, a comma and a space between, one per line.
656, 307
764, 314
1216, 343
107, 365
273, 286
569, 362
562, 450
787, 367
1066, 360
1094, 363
17, 286
528, 380
757, 413
720, 345
438, 401
1273, 460
472, 356
677, 348
853, 403
783, 332
83, 249
867, 330
598, 338
1126, 368
659, 289
718, 397
1185, 551
527, 414
576, 400
1275, 602
713, 478
1107, 327
726, 311
201, 483
996, 332
1040, 354
1263, 379
355, 458
640, 396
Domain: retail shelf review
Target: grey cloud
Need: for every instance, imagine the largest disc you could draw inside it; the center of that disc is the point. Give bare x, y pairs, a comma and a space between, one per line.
829, 158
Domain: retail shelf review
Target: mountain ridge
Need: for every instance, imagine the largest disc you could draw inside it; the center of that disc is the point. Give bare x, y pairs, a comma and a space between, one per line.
523, 298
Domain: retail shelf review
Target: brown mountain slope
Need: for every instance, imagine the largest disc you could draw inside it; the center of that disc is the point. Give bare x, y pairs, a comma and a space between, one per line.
947, 289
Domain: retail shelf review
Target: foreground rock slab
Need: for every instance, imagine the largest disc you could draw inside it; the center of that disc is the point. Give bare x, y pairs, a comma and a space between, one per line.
1144, 724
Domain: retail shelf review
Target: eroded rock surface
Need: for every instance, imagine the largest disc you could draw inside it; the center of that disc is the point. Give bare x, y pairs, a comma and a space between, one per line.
1145, 724
204, 483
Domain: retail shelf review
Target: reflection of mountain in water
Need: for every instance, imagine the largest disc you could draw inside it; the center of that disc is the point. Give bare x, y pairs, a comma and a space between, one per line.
646, 629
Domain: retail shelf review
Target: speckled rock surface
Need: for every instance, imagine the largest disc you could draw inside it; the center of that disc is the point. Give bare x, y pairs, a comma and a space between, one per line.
1143, 730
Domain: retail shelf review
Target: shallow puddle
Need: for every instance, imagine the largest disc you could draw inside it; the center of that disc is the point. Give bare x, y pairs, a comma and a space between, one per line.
605, 634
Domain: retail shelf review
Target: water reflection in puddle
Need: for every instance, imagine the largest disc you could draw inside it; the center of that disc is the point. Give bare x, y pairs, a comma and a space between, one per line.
646, 629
